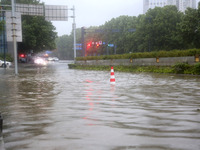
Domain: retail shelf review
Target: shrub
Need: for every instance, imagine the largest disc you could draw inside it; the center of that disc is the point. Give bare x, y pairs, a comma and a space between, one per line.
8, 57
196, 69
180, 68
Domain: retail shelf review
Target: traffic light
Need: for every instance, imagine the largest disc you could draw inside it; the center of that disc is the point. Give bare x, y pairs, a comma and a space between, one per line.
88, 45
83, 31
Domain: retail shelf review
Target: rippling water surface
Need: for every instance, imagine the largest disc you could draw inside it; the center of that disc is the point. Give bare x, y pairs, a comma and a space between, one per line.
56, 108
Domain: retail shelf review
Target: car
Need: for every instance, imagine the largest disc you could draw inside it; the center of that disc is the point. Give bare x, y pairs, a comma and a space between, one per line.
7, 63
22, 58
53, 59
50, 58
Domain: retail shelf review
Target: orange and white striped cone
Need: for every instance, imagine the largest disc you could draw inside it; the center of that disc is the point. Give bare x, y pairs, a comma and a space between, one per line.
112, 76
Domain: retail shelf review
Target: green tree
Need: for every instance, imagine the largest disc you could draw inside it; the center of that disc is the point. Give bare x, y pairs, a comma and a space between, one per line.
65, 47
190, 27
115, 31
38, 34
163, 28
157, 29
118, 32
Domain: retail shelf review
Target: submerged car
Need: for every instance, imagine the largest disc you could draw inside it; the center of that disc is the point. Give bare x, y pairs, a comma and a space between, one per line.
7, 63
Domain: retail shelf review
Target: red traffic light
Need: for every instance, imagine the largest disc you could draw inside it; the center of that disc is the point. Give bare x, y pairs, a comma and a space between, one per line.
88, 45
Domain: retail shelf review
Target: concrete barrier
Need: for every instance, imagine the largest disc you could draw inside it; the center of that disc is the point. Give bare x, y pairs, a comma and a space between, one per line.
163, 61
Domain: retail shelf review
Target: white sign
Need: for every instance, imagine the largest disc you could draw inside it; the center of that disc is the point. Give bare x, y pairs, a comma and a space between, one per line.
51, 12
27, 9
9, 26
56, 13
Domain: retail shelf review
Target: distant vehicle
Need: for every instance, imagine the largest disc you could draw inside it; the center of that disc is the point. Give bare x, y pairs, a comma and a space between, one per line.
22, 58
50, 58
53, 59
2, 64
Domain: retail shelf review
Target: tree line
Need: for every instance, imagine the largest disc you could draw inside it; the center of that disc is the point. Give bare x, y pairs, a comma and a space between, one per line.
159, 29
163, 28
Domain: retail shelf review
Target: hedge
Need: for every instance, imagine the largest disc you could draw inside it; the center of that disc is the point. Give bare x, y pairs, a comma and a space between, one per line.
8, 57
154, 54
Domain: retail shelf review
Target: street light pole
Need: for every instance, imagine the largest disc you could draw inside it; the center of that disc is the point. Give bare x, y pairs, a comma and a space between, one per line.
74, 27
14, 37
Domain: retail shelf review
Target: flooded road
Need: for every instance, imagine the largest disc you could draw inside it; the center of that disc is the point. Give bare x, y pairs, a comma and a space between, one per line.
56, 108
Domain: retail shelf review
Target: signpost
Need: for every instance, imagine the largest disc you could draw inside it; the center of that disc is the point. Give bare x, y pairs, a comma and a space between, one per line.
78, 46
9, 26
110, 45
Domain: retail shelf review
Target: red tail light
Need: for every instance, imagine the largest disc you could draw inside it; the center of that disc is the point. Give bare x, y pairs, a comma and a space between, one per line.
22, 55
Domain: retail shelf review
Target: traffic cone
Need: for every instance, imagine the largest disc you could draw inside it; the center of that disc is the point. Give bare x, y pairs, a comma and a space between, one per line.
112, 76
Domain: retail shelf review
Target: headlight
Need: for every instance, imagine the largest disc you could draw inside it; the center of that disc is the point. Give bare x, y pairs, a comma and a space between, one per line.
40, 61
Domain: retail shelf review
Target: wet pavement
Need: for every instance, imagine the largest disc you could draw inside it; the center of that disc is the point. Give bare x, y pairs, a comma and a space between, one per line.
56, 108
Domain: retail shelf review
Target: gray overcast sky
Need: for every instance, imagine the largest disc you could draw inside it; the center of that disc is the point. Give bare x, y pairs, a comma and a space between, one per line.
95, 12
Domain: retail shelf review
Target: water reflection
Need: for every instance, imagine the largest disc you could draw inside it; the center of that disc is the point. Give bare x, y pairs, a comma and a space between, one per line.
91, 102
26, 103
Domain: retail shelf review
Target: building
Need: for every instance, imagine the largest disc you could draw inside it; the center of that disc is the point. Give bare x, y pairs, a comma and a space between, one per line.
3, 42
182, 5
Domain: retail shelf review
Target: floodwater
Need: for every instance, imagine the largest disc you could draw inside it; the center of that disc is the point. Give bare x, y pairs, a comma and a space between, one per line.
56, 108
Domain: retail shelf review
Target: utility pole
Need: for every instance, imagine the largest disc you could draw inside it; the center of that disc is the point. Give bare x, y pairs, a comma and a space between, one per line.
14, 37
83, 40
74, 28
